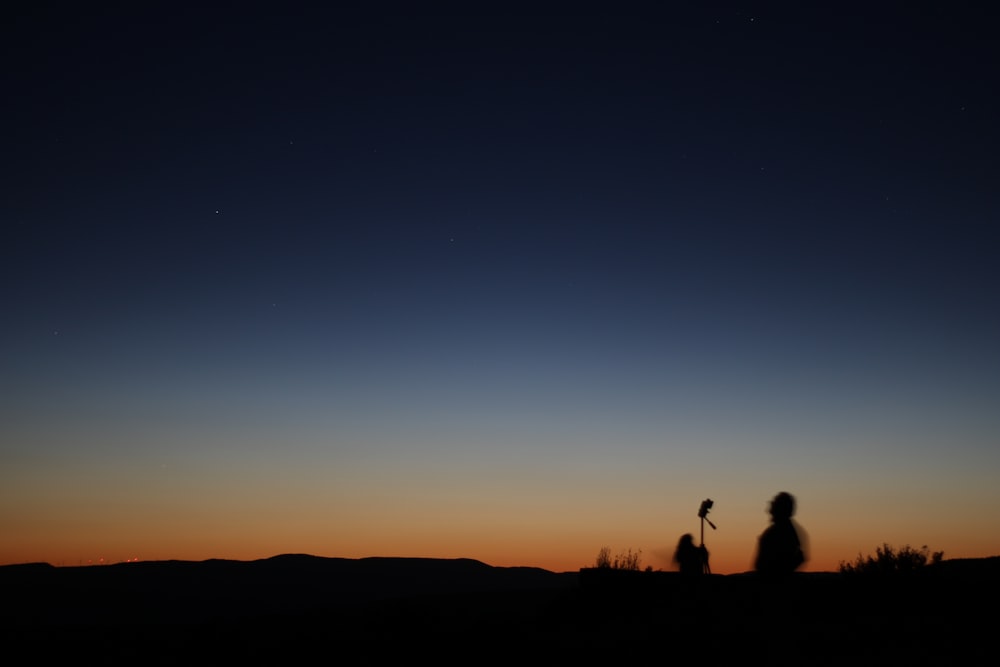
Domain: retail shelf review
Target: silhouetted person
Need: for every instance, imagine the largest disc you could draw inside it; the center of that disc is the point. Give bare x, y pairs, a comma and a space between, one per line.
779, 550
690, 559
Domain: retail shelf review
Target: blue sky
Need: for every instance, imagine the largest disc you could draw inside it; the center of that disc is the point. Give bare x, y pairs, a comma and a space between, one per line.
496, 286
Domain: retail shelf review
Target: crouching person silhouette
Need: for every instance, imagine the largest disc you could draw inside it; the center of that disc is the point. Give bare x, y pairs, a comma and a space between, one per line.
690, 559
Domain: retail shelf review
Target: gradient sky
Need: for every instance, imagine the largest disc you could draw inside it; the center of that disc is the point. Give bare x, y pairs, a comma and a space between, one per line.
287, 279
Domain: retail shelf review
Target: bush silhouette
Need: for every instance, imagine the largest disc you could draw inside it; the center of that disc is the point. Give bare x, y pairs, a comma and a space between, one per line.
888, 560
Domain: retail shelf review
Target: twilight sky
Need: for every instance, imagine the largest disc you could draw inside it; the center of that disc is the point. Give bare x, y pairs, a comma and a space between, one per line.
278, 278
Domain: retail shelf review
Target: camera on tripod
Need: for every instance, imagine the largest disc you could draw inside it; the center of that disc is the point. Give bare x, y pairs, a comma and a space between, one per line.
705, 506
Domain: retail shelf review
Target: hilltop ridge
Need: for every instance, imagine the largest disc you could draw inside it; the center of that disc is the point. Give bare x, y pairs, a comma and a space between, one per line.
290, 606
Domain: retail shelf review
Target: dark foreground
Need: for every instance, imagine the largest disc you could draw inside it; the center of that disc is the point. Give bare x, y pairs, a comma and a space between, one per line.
299, 609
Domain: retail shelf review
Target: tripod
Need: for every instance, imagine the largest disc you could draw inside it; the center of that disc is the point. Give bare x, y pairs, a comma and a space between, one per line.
703, 515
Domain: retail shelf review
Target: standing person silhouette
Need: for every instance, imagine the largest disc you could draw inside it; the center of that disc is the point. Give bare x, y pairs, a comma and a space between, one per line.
779, 549
690, 559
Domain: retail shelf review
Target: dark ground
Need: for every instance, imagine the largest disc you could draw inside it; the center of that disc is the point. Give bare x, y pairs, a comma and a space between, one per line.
303, 609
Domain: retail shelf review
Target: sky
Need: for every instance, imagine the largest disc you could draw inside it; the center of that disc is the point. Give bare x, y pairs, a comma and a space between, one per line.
517, 287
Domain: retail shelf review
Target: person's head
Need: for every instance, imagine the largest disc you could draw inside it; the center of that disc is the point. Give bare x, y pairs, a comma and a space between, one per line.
686, 541
782, 506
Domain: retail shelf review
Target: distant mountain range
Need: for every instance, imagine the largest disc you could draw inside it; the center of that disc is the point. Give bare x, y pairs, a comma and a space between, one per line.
163, 591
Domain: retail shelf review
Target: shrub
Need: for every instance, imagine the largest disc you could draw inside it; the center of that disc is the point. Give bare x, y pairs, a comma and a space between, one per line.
887, 560
622, 561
